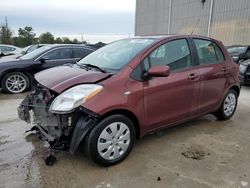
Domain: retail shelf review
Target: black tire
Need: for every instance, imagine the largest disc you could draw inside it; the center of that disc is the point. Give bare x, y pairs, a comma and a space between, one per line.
91, 147
220, 114
22, 76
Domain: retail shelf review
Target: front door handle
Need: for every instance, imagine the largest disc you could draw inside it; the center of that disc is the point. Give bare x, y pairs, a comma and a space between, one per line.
193, 76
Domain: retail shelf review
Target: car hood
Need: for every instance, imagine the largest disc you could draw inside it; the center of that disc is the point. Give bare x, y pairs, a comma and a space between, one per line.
247, 62
61, 78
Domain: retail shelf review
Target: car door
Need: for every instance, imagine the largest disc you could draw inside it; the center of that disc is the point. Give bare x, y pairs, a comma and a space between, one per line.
173, 98
214, 72
55, 57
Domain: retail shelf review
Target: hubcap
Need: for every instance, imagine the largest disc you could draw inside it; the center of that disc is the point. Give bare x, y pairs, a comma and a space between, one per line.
114, 141
16, 83
229, 104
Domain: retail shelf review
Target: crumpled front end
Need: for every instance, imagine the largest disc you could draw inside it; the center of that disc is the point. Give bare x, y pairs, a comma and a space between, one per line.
61, 131
35, 110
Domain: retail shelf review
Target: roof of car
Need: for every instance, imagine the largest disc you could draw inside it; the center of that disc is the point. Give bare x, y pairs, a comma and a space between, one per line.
68, 45
171, 35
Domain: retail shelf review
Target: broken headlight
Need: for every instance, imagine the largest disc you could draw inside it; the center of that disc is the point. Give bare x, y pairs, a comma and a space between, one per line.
74, 97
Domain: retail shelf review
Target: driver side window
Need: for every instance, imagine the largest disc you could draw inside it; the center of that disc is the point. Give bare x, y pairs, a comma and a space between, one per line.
175, 54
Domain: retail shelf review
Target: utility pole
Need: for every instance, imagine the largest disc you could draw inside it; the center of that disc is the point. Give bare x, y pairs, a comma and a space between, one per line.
6, 22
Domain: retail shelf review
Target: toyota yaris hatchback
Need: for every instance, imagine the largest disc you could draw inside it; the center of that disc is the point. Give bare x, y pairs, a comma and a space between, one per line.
128, 89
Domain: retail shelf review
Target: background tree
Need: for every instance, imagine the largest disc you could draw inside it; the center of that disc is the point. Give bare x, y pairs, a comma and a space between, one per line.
46, 38
5, 35
26, 37
75, 41
58, 40
66, 40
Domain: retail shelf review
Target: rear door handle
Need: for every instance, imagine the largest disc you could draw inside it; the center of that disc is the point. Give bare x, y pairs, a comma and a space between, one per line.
193, 76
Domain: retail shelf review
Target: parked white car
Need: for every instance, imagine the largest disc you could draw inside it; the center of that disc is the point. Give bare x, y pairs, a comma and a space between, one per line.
9, 49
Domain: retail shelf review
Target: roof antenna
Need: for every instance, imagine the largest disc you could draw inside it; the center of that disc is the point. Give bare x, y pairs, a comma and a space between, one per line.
195, 26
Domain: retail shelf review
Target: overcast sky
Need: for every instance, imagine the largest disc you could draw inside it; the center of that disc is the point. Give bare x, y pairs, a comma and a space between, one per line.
96, 20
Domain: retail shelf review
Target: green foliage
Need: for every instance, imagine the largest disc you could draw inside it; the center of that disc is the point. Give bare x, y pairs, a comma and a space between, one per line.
58, 40
5, 35
46, 38
26, 37
66, 40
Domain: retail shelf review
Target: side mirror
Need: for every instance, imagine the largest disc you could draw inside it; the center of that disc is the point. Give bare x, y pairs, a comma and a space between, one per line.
23, 52
44, 59
158, 71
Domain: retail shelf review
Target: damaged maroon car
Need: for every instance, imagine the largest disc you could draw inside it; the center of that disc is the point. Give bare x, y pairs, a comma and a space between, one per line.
128, 89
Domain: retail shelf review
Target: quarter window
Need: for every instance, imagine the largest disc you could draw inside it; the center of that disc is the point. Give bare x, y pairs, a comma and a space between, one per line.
208, 52
60, 53
175, 54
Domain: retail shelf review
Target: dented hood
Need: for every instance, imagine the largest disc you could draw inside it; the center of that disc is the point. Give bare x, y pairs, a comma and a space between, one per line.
63, 77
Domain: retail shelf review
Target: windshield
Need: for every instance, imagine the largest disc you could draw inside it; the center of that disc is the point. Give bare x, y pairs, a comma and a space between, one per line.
237, 49
114, 56
36, 53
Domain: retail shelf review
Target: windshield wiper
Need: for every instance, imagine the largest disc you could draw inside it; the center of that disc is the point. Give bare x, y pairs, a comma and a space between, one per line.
91, 66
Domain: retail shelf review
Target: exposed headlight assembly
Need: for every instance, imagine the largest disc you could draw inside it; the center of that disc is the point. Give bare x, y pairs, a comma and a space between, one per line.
74, 97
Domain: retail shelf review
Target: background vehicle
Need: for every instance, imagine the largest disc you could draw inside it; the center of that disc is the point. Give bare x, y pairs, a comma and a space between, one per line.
130, 88
239, 52
245, 72
9, 49
16, 75
31, 48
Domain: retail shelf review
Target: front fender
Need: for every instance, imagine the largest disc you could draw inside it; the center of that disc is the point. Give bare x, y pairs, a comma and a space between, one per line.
83, 126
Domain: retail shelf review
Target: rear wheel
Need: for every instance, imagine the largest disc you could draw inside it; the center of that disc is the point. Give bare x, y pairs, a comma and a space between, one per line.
15, 82
111, 140
228, 106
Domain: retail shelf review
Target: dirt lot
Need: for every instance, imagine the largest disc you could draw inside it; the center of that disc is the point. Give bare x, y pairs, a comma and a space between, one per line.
202, 153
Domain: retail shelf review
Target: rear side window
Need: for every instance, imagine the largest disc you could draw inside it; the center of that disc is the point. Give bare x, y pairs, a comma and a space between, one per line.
208, 52
175, 54
60, 53
80, 52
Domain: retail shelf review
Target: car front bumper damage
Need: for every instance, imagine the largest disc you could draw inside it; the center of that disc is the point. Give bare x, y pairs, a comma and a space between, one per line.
61, 131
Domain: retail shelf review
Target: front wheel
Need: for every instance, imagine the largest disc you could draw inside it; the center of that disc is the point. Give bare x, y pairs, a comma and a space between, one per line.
110, 141
15, 82
228, 106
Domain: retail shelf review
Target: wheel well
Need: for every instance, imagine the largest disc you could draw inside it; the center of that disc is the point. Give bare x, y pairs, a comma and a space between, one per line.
237, 89
128, 114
